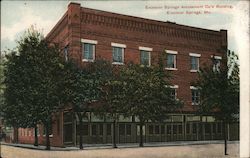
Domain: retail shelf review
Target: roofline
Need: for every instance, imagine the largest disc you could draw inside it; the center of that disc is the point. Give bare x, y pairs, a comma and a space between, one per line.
162, 22
56, 25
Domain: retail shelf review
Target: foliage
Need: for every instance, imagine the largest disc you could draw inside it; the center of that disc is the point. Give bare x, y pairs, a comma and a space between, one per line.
220, 88
33, 78
141, 91
83, 87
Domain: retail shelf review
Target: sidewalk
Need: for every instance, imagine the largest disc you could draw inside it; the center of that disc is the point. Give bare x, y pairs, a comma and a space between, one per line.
129, 145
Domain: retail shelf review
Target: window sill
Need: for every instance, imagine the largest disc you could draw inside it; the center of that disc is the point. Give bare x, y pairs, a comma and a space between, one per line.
172, 69
117, 63
87, 60
194, 70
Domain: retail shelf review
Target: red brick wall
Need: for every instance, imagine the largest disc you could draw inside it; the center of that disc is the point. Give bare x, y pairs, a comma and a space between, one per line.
26, 135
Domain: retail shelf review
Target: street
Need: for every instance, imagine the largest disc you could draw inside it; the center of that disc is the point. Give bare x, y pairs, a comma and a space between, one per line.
186, 151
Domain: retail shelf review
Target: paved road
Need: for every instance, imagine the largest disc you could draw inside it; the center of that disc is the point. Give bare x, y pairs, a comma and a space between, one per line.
189, 151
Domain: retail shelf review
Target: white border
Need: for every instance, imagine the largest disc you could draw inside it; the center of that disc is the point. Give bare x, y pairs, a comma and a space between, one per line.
118, 45
146, 48
194, 55
89, 41
193, 87
171, 52
174, 86
216, 57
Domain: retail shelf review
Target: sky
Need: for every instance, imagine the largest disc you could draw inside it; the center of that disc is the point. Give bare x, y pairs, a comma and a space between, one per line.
18, 16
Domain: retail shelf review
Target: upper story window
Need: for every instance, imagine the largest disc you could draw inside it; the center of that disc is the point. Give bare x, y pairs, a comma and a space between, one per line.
88, 49
195, 95
66, 53
195, 62
171, 63
216, 62
173, 92
118, 53
145, 56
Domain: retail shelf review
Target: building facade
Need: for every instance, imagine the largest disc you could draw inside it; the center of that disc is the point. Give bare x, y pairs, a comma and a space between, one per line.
85, 35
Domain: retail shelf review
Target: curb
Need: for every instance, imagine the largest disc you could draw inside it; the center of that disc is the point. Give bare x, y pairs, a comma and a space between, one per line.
120, 146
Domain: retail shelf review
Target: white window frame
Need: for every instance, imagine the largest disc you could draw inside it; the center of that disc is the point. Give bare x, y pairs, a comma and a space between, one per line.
118, 45
146, 49
172, 52
219, 58
149, 58
88, 41
198, 57
194, 88
175, 87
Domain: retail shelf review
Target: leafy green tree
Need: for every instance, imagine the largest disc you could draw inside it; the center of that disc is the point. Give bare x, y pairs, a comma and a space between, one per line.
113, 97
33, 79
219, 89
83, 87
146, 94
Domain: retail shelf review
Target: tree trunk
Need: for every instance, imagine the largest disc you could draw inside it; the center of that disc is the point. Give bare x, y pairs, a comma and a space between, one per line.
47, 135
80, 130
225, 136
36, 137
141, 134
16, 134
114, 134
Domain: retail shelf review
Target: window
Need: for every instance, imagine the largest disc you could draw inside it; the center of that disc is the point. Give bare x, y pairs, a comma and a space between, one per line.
171, 60
214, 127
162, 129
219, 127
207, 128
65, 52
180, 129
88, 49
157, 129
94, 130
85, 130
88, 52
195, 95
194, 62
128, 129
145, 55
188, 128
216, 62
118, 53
174, 129
109, 129
122, 129
194, 129
101, 129
145, 58
173, 93
168, 129
151, 129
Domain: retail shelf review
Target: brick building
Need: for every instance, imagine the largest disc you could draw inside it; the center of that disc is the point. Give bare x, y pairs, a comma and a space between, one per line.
87, 34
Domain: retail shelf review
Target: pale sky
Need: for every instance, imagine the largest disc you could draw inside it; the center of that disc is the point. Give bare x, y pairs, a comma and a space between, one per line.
18, 16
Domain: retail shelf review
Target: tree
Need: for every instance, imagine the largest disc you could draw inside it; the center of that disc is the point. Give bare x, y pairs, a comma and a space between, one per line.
114, 98
83, 88
219, 89
142, 92
33, 79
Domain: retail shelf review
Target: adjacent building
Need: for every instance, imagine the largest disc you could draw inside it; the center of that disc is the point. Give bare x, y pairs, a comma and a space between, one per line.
85, 35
